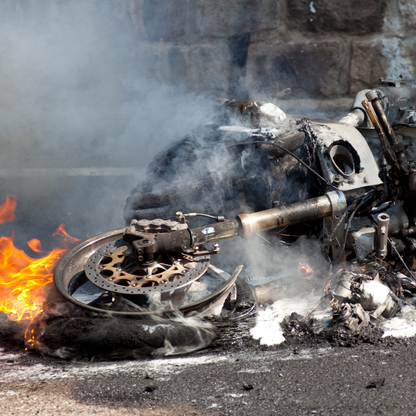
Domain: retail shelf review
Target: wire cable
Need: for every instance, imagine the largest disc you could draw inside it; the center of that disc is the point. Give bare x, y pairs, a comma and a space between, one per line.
291, 154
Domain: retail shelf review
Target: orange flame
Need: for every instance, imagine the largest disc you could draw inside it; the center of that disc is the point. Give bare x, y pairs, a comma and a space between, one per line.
35, 245
67, 238
30, 338
7, 209
23, 278
305, 269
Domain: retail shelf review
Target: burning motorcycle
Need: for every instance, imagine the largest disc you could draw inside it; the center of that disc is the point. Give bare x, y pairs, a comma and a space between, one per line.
349, 184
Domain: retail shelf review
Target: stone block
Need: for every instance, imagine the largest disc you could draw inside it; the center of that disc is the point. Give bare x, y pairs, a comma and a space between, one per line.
407, 11
314, 69
152, 61
203, 68
368, 65
379, 58
165, 20
194, 20
220, 18
324, 16
135, 12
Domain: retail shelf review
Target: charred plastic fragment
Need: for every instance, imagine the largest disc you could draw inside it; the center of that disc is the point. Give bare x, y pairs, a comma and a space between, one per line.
361, 297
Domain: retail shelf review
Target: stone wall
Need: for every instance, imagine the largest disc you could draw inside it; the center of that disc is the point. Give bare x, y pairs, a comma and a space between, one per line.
319, 49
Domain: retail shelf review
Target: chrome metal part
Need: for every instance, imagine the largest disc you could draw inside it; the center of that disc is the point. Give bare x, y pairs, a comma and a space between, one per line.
383, 220
310, 209
355, 118
399, 221
357, 105
338, 203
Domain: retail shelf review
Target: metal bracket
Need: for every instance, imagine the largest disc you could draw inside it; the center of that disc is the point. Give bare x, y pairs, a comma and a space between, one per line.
338, 203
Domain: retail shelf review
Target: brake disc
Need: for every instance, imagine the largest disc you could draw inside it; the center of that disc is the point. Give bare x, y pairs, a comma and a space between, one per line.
113, 268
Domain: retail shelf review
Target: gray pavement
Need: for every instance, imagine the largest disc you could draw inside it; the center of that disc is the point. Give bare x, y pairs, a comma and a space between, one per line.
367, 379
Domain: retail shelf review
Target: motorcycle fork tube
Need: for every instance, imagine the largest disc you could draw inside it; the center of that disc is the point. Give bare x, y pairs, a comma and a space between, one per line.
387, 151
308, 210
372, 96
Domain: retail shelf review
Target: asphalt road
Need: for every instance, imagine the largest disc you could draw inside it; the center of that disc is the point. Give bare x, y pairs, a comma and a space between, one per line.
368, 379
